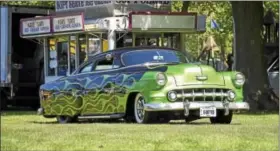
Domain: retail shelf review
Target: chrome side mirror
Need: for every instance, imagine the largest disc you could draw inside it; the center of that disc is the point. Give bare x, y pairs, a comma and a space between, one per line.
109, 57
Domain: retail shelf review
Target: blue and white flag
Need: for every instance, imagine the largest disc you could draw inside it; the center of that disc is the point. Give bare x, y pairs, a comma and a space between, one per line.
214, 24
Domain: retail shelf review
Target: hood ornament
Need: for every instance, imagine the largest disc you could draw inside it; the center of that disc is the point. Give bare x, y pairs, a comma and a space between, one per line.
201, 77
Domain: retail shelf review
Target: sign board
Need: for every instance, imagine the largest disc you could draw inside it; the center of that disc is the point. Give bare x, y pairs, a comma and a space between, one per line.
68, 23
33, 26
163, 21
71, 5
97, 24
154, 4
107, 23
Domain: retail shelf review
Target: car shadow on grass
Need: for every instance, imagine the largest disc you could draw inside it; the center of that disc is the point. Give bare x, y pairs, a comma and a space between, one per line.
49, 122
259, 112
124, 122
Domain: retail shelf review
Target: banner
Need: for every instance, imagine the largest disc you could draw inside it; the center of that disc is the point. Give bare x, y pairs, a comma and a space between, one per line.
70, 5
32, 26
144, 2
68, 23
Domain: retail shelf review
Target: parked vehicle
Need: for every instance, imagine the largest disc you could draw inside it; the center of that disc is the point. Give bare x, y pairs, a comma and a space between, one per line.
273, 75
144, 85
21, 59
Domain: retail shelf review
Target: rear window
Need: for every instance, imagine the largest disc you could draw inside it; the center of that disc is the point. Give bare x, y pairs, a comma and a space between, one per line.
143, 56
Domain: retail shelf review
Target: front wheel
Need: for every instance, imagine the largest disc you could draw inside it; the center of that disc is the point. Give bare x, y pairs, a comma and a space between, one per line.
221, 118
141, 116
66, 119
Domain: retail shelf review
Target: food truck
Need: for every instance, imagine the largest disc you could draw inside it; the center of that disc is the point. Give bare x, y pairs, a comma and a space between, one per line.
81, 29
21, 59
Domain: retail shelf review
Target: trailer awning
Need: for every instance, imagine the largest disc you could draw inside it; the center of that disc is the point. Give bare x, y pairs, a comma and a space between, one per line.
166, 22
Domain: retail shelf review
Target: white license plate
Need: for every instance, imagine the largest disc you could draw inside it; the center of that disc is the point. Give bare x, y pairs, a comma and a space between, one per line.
208, 112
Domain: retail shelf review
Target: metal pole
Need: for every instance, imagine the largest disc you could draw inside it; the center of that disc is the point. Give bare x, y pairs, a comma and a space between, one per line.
133, 39
162, 39
56, 68
77, 49
112, 39
69, 56
101, 42
46, 58
87, 43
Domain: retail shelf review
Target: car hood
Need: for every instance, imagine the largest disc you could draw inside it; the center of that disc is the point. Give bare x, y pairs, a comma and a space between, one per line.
195, 74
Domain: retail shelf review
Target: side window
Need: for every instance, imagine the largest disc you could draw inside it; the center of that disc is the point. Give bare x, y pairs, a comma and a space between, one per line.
104, 64
107, 63
86, 68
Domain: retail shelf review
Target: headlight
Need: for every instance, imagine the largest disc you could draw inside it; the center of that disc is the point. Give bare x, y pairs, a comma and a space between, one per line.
161, 79
172, 96
239, 79
231, 95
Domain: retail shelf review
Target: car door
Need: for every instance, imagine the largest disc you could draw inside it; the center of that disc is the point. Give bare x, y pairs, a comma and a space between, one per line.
273, 76
99, 90
74, 89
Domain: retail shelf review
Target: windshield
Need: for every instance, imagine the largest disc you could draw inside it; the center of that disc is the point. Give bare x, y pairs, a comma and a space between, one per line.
144, 56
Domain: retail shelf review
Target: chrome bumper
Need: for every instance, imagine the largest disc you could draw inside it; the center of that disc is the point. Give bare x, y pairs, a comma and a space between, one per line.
40, 111
195, 105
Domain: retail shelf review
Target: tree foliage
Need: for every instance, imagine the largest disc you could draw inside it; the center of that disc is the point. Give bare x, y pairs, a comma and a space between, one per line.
221, 12
29, 3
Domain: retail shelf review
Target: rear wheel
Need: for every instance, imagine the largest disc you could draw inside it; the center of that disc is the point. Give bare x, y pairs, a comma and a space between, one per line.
66, 119
221, 118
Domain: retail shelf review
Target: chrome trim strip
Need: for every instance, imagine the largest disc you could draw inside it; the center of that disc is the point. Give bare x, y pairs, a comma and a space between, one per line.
40, 111
206, 94
194, 106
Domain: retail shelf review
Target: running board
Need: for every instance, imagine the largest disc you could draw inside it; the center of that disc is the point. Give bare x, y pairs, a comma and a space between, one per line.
110, 116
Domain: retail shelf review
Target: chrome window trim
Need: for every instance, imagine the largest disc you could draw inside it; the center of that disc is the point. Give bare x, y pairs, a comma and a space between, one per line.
275, 61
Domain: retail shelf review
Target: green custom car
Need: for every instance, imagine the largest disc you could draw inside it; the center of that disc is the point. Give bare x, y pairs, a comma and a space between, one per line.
143, 85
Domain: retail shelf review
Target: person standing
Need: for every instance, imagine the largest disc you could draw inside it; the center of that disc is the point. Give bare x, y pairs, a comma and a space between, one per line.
230, 61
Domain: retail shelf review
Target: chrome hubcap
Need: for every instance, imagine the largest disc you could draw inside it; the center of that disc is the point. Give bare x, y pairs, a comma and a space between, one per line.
140, 108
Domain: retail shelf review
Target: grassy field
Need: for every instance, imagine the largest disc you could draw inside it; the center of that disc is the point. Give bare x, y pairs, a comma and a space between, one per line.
27, 131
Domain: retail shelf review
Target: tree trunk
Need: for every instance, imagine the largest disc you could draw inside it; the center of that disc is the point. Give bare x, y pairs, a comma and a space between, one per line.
185, 6
250, 60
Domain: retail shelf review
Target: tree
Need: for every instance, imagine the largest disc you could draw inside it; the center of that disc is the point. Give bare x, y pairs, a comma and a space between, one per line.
185, 6
179, 6
219, 11
248, 19
50, 4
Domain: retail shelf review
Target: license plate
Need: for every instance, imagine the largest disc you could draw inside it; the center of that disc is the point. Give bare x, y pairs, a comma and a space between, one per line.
208, 112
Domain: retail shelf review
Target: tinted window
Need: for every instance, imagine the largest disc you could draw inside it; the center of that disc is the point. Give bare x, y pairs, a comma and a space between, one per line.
104, 65
143, 56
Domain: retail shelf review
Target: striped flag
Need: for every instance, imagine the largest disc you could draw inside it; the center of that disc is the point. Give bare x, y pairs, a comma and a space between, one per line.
214, 24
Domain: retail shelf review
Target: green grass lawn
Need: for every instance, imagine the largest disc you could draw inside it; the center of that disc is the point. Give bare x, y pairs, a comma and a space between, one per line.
28, 131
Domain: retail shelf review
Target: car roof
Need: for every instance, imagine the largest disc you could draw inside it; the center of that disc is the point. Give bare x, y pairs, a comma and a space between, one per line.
127, 49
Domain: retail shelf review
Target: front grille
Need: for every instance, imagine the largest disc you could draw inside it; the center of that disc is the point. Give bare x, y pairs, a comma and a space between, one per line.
202, 94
